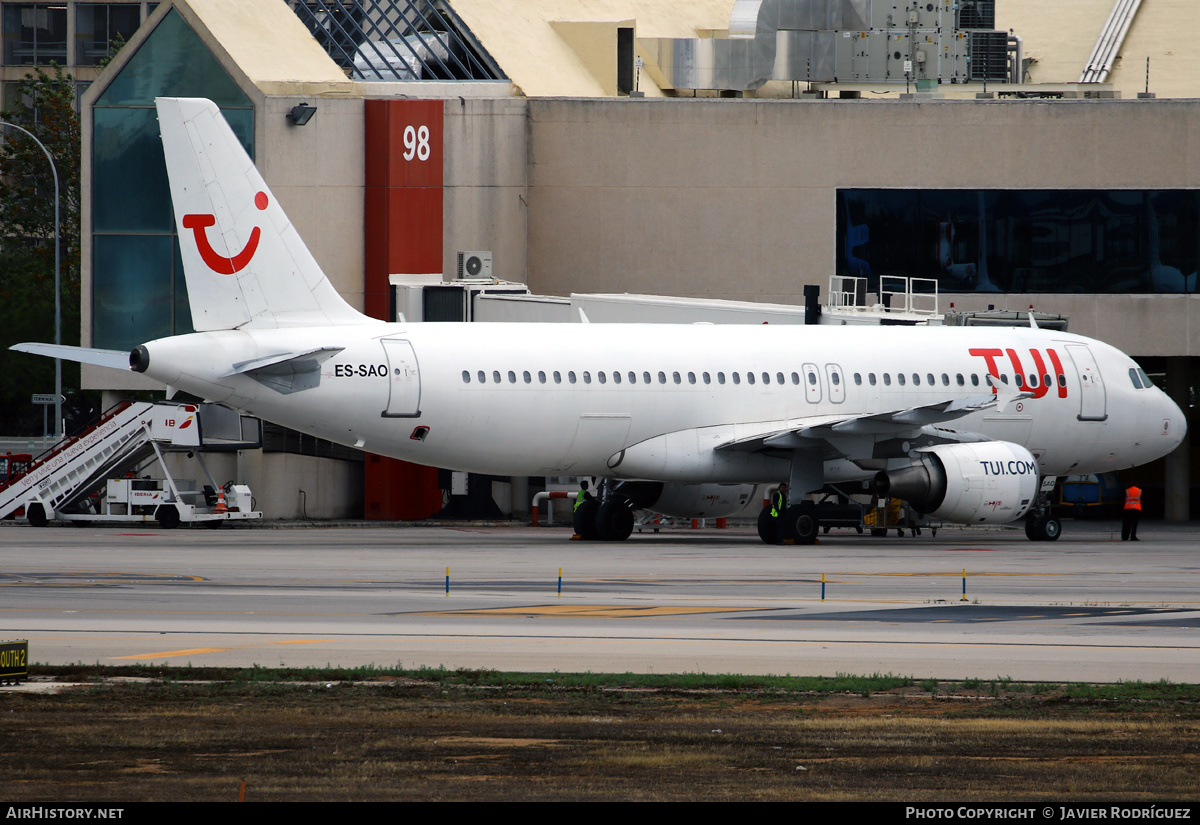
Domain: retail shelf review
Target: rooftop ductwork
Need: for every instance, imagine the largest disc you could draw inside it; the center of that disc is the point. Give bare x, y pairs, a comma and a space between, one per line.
821, 41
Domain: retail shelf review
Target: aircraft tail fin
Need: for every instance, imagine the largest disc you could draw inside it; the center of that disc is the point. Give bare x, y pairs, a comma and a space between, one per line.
244, 263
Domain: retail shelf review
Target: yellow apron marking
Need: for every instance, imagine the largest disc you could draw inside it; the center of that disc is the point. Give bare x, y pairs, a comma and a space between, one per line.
591, 611
198, 650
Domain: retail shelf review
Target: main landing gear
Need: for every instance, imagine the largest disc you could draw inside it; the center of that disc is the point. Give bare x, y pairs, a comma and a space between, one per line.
797, 524
610, 520
1039, 524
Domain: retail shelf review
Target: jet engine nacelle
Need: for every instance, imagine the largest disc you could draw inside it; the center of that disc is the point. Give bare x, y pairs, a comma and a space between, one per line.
989, 482
689, 500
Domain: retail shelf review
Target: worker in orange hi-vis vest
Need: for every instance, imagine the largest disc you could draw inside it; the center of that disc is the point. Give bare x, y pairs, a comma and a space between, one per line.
1133, 511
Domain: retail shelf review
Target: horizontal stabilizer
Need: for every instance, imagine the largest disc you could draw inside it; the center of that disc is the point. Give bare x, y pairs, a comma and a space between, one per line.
286, 363
287, 372
112, 358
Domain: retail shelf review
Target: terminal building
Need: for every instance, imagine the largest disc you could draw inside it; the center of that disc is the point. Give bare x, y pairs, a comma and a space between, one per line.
731, 150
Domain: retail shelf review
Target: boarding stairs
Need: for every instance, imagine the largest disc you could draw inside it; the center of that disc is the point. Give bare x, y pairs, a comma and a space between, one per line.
122, 438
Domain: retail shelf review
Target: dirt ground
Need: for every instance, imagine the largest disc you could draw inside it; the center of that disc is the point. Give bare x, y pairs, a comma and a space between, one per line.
399, 739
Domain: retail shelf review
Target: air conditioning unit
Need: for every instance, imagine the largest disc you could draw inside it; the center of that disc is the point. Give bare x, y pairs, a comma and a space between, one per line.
474, 265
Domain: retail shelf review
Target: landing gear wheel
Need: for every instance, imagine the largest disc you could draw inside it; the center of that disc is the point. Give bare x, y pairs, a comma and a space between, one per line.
1051, 528
167, 516
1043, 528
35, 514
800, 523
1031, 528
585, 520
614, 521
768, 528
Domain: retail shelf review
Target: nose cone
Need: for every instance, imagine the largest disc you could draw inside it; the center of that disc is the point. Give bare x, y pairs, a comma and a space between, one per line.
1174, 423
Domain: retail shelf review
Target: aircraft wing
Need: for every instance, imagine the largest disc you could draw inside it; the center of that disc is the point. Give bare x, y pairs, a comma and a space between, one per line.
855, 436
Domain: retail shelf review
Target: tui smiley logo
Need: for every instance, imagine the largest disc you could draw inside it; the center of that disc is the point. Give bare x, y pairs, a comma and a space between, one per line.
216, 261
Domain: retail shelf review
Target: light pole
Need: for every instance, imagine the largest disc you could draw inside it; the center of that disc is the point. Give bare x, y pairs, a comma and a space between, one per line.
58, 398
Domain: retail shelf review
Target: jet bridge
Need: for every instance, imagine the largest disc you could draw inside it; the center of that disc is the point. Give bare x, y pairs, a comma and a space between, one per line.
93, 476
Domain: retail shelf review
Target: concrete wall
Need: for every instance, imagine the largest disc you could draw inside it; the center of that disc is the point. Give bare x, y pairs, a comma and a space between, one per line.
332, 489
485, 183
316, 171
736, 199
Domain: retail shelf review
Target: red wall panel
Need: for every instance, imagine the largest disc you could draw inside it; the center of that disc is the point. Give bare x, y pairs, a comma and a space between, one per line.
403, 234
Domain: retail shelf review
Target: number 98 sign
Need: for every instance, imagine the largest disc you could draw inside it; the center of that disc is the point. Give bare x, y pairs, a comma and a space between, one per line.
416, 142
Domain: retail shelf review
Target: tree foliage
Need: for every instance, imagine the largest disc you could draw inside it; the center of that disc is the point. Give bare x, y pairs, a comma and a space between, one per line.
45, 105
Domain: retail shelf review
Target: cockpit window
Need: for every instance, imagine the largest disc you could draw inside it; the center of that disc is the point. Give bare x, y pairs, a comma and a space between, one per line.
1133, 376
1145, 378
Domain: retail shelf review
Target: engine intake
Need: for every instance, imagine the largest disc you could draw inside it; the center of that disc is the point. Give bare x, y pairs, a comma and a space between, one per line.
990, 482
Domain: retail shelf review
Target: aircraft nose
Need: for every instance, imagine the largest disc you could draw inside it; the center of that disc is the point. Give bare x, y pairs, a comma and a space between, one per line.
1174, 422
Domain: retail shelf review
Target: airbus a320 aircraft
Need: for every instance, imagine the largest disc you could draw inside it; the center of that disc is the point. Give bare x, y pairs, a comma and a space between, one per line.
964, 423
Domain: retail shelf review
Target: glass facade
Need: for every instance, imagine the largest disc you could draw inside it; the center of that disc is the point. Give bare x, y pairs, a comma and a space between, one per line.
98, 24
35, 34
996, 240
138, 291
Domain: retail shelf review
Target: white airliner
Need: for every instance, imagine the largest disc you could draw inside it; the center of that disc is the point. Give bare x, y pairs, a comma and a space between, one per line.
964, 423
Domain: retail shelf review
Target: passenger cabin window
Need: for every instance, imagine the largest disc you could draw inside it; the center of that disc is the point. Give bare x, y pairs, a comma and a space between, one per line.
528, 378
496, 376
887, 379
587, 377
900, 378
871, 378
737, 379
467, 376
750, 377
541, 376
961, 381
557, 377
779, 377
720, 378
571, 376
858, 379
599, 375
662, 377
482, 376
707, 378
795, 378
691, 378
616, 377
646, 377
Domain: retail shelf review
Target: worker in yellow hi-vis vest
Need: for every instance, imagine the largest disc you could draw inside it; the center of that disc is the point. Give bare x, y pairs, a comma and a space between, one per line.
779, 503
1133, 511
